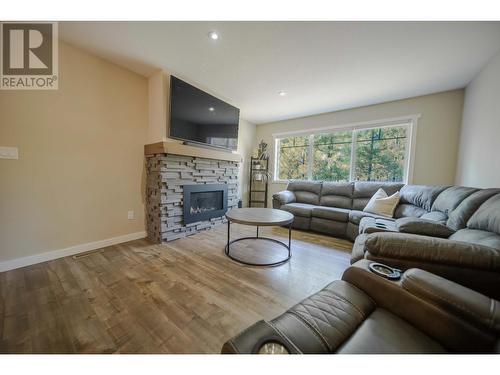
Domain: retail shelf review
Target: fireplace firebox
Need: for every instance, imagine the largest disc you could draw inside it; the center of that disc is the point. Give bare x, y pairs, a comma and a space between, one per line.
203, 202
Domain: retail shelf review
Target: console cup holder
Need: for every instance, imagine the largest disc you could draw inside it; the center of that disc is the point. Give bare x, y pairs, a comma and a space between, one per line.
273, 347
385, 271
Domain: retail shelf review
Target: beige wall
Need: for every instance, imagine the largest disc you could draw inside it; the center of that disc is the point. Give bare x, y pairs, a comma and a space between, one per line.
437, 135
479, 156
81, 163
158, 90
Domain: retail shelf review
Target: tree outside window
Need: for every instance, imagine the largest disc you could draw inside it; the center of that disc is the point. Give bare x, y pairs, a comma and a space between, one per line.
379, 155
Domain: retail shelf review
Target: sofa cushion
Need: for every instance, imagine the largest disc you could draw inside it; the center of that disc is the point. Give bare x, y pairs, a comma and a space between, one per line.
327, 226
421, 195
306, 191
487, 216
382, 204
475, 236
301, 185
355, 216
337, 194
409, 247
299, 209
450, 198
424, 227
364, 190
461, 214
435, 216
408, 210
385, 333
331, 213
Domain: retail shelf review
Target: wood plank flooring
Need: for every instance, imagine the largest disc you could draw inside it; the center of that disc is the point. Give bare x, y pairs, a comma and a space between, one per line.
182, 297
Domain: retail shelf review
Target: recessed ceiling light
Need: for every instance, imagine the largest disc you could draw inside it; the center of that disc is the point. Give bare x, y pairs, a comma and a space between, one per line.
211, 109
281, 93
213, 35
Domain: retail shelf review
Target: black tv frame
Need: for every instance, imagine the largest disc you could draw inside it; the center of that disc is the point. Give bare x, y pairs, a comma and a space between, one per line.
189, 141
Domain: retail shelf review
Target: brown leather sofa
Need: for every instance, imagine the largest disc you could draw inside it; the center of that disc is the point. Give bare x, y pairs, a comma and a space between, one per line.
367, 313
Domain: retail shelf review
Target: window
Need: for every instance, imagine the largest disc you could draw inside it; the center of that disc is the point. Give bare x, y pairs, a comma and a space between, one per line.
332, 156
365, 153
294, 158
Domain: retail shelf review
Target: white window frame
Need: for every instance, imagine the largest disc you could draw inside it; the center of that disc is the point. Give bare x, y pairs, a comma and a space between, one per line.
410, 120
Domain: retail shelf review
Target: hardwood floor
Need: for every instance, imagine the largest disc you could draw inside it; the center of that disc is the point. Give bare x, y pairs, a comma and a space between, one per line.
182, 297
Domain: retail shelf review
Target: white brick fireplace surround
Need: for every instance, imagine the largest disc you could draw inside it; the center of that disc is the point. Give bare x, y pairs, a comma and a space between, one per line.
167, 174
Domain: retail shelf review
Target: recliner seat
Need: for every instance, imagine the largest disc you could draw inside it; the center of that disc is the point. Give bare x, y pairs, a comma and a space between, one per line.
367, 313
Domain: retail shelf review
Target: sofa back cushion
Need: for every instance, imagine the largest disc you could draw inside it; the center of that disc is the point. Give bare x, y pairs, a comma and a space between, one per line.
408, 210
422, 196
337, 194
462, 213
487, 216
364, 190
450, 198
306, 191
480, 237
435, 216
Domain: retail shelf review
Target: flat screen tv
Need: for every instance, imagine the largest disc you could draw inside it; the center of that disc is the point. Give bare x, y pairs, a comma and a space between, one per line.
196, 116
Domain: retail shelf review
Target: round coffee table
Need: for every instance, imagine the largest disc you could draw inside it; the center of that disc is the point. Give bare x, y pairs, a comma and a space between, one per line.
259, 217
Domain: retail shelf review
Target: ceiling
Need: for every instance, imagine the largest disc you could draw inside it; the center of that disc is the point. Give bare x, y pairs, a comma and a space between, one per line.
322, 66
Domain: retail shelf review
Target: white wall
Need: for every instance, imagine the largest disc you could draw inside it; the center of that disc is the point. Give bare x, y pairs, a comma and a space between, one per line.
479, 153
437, 136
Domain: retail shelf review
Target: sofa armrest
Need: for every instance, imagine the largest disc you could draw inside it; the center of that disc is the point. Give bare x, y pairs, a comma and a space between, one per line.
439, 312
284, 197
456, 299
425, 249
251, 340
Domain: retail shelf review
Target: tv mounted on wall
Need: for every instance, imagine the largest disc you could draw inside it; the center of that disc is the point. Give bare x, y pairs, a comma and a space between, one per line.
198, 117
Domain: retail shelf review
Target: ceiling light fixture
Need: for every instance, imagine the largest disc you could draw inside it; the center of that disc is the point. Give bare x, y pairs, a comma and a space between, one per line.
281, 93
211, 109
213, 35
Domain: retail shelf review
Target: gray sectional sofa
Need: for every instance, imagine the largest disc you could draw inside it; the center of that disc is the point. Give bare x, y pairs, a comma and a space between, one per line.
453, 231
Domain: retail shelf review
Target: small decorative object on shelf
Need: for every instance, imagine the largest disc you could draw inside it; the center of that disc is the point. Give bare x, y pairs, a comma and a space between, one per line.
262, 151
259, 177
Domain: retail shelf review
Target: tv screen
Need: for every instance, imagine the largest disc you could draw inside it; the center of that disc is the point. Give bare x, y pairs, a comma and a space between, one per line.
196, 116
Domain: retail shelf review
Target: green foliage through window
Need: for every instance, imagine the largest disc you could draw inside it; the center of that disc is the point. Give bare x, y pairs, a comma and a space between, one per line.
379, 155
294, 158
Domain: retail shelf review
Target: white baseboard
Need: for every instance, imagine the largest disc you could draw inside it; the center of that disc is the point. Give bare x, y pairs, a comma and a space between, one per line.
72, 250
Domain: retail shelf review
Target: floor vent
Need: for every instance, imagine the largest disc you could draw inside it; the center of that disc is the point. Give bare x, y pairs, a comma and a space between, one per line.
87, 253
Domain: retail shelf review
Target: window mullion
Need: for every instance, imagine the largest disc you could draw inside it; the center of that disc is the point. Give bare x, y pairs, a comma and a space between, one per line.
310, 158
352, 172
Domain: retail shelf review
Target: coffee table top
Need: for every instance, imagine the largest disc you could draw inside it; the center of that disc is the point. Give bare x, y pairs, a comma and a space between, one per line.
259, 216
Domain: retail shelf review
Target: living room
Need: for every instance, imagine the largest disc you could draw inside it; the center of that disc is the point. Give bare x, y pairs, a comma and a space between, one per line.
257, 187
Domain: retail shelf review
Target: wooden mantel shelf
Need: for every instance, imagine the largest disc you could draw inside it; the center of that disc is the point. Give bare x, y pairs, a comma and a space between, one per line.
175, 148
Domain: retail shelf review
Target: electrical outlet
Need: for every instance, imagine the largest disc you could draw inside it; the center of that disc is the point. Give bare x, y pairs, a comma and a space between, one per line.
8, 153
130, 215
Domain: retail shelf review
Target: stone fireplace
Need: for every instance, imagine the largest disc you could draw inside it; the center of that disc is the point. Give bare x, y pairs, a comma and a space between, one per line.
188, 194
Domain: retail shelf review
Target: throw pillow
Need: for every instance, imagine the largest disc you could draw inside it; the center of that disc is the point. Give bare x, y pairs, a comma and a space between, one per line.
381, 204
